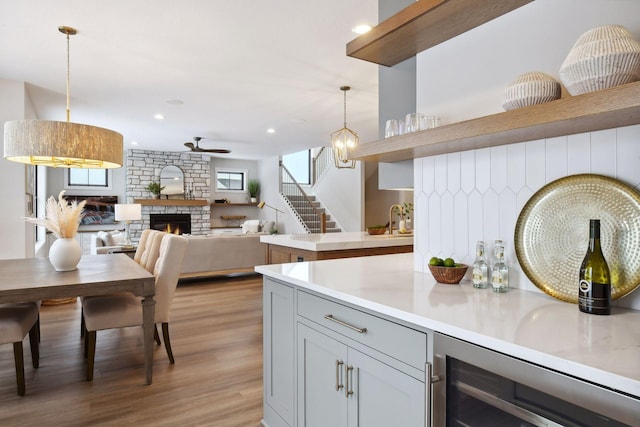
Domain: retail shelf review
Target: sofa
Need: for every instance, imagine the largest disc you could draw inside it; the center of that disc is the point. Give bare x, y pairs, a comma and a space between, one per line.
215, 254
104, 242
222, 254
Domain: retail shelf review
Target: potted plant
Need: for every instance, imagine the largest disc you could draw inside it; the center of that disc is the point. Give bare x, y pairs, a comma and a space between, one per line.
254, 187
154, 188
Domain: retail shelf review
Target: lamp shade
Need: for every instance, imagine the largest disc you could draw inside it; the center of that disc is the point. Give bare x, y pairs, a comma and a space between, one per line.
62, 144
128, 212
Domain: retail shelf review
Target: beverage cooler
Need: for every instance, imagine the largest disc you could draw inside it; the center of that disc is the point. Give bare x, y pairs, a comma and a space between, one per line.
476, 386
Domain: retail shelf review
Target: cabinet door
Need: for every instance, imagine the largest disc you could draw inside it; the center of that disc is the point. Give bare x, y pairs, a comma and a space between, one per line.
321, 374
279, 356
383, 396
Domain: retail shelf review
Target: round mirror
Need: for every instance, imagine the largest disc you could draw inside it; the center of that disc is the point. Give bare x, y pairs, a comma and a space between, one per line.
172, 179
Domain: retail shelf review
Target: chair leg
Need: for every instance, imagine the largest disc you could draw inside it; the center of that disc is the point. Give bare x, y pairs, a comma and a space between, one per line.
17, 356
90, 338
86, 343
167, 342
156, 337
38, 324
82, 327
34, 342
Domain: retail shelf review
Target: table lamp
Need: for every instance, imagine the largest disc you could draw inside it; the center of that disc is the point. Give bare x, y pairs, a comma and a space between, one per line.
261, 205
128, 213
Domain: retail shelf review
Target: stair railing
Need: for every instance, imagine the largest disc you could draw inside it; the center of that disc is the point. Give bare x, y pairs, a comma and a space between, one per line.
290, 188
320, 163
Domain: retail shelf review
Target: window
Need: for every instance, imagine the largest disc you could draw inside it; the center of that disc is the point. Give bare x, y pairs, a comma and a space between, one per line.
231, 180
77, 178
299, 164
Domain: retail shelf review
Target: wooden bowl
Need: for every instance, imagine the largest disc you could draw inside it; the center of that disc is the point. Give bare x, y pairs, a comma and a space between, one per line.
448, 275
376, 231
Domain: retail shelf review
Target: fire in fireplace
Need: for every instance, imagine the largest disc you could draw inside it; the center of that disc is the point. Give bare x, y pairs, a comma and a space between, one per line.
171, 223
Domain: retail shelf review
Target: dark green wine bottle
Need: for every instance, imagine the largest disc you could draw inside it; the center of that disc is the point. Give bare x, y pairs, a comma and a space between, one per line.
594, 290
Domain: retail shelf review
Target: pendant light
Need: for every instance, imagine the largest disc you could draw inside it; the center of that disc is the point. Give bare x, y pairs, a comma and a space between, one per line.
62, 144
344, 141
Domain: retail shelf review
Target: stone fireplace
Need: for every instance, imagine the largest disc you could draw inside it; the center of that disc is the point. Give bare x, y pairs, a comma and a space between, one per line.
144, 166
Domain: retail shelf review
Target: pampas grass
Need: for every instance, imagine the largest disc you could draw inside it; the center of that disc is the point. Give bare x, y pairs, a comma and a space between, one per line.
61, 218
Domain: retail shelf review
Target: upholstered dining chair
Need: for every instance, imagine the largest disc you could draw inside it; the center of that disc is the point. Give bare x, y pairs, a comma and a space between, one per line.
146, 255
16, 321
125, 310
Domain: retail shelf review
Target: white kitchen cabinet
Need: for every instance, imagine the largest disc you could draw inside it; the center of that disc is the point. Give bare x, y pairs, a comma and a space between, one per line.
331, 364
341, 386
279, 357
321, 365
357, 369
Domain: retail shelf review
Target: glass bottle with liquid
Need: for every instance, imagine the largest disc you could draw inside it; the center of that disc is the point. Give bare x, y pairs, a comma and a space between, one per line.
594, 288
499, 271
480, 268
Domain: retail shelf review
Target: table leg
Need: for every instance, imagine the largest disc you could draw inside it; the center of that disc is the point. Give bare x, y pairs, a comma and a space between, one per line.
148, 315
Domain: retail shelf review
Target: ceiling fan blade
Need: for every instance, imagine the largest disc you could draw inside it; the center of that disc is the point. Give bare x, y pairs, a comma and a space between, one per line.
215, 150
190, 145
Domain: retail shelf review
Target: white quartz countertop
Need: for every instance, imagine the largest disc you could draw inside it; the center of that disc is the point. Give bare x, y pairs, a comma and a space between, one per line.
527, 325
336, 241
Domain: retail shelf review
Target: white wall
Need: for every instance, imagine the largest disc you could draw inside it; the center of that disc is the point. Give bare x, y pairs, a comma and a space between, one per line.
16, 236
342, 193
478, 194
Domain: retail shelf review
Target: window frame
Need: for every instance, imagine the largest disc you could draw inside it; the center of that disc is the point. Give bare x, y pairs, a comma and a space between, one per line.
70, 186
245, 179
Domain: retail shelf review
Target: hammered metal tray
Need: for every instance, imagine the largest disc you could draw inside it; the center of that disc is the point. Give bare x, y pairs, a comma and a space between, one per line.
552, 233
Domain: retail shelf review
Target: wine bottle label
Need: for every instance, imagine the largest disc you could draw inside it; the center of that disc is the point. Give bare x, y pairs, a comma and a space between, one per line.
594, 297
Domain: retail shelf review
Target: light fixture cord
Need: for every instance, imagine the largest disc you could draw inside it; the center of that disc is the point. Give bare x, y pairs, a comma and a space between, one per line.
345, 107
68, 102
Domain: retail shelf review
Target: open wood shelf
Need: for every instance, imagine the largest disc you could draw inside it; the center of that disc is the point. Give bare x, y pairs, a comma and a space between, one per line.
170, 202
605, 109
425, 24
224, 205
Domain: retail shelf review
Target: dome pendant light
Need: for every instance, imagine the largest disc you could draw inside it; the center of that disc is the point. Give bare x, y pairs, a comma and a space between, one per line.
62, 144
344, 141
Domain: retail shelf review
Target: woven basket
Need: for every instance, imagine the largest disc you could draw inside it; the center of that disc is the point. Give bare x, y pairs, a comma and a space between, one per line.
601, 58
448, 275
531, 89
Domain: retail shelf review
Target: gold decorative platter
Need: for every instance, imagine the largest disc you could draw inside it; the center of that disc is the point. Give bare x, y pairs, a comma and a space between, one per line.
552, 233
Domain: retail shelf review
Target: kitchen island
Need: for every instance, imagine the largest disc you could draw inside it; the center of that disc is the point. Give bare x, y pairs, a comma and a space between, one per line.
284, 248
528, 326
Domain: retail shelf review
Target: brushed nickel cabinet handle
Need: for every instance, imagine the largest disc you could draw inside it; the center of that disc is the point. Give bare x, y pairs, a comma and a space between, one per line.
348, 391
345, 324
339, 364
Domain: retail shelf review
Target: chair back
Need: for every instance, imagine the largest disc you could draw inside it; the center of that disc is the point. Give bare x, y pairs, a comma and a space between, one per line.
167, 271
148, 249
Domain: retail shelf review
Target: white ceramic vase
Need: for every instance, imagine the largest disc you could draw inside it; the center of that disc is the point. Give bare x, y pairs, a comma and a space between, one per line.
65, 254
602, 58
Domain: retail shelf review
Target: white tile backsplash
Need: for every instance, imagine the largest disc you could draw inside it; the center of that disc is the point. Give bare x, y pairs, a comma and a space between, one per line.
478, 194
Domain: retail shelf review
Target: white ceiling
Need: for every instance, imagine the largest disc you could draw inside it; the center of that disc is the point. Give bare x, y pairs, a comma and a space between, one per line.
238, 66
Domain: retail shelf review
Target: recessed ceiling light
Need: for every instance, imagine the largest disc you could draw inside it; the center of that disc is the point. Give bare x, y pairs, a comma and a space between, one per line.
271, 130
134, 142
361, 29
159, 116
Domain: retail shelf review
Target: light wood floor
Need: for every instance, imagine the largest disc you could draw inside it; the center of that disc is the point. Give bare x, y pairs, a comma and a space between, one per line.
216, 335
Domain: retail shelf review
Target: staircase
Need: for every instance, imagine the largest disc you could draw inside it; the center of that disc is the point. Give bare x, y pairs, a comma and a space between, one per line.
309, 211
300, 205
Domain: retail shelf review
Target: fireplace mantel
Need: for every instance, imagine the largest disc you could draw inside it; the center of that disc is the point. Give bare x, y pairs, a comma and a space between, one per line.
171, 202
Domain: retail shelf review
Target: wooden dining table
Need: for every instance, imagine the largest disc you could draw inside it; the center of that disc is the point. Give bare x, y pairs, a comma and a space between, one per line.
33, 279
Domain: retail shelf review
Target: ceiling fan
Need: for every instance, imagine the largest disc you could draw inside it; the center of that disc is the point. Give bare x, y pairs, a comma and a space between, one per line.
196, 148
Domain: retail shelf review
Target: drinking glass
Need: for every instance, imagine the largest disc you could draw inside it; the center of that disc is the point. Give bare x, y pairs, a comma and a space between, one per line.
411, 123
391, 128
